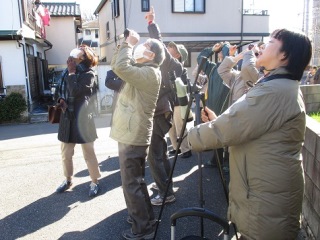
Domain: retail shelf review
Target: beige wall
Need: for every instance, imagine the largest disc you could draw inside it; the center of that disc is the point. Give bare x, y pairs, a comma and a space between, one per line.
221, 17
63, 41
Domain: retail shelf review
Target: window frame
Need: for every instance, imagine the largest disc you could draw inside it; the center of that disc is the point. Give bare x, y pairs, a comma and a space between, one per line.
108, 30
2, 89
115, 9
145, 9
185, 2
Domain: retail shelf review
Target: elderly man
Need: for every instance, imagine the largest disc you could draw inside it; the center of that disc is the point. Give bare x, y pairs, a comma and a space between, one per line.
132, 126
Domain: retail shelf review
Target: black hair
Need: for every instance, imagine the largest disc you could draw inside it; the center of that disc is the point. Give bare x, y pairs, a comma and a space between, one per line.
297, 49
157, 48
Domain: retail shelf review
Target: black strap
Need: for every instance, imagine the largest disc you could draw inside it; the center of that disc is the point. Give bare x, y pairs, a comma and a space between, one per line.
269, 78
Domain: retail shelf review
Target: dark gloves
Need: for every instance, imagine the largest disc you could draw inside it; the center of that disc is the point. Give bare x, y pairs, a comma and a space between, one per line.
71, 65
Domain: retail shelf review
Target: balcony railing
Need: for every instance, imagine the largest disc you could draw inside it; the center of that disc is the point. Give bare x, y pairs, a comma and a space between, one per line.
255, 12
34, 20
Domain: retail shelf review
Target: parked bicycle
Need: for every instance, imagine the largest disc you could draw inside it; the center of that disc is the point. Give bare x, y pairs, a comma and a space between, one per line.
106, 102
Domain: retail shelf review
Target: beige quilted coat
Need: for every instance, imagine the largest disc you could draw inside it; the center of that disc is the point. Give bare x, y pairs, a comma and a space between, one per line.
265, 131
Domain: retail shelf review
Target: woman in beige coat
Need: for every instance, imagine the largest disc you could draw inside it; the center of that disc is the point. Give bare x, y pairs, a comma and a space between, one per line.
265, 130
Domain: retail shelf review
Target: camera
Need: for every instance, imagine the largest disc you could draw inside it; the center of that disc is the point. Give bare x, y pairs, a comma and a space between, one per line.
126, 33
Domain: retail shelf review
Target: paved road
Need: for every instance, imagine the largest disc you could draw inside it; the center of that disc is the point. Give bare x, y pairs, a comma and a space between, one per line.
30, 171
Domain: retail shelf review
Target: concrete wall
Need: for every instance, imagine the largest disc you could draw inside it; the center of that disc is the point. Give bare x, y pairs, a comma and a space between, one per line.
311, 94
311, 165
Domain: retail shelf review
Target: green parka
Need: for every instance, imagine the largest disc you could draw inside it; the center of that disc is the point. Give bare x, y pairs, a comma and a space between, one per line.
136, 103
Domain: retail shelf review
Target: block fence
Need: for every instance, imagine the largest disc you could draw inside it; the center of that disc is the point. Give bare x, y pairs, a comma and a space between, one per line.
311, 95
311, 164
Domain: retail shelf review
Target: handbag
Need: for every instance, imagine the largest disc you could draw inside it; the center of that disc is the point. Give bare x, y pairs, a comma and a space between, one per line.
54, 113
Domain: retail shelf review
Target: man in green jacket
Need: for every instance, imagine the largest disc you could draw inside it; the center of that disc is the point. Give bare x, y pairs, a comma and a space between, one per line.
132, 126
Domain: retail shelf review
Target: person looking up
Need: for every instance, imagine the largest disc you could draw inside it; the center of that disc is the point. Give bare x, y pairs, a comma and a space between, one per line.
158, 159
76, 124
265, 130
132, 125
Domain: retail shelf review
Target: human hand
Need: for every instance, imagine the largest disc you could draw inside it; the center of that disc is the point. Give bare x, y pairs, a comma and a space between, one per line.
207, 115
133, 38
232, 50
62, 104
71, 65
150, 16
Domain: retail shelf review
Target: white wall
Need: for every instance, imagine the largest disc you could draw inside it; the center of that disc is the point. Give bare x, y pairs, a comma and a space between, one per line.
13, 70
9, 17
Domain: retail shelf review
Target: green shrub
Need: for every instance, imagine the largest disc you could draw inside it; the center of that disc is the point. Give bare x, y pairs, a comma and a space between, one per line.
315, 116
12, 106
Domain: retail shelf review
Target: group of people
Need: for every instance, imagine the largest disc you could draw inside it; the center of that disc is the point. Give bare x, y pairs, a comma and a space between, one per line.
257, 114
311, 76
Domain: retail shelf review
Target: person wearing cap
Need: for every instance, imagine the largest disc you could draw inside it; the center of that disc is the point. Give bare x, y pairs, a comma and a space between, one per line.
132, 125
217, 91
76, 124
179, 52
158, 158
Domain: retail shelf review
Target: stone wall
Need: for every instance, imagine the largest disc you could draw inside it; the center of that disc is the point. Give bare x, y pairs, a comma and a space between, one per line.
311, 94
311, 165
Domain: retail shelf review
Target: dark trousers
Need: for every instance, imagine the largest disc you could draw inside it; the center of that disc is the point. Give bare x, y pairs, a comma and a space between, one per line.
132, 168
158, 159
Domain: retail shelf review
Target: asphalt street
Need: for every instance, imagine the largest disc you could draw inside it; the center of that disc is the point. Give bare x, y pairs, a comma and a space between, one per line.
30, 171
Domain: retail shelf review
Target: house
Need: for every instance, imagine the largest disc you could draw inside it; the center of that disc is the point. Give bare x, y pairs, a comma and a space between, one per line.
33, 37
196, 24
89, 34
65, 25
23, 47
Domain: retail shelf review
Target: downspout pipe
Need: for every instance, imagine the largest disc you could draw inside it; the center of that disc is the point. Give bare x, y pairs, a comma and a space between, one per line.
49, 47
125, 14
24, 57
241, 33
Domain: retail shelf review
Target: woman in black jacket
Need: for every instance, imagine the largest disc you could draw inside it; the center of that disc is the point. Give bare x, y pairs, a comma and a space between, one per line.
76, 122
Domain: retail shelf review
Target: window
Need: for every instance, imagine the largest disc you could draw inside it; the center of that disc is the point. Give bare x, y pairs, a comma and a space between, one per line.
1, 81
115, 8
87, 32
108, 31
96, 33
188, 6
145, 5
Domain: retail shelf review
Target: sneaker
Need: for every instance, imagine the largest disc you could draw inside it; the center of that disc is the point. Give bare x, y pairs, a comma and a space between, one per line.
155, 187
64, 186
186, 154
157, 200
172, 152
130, 221
94, 189
128, 234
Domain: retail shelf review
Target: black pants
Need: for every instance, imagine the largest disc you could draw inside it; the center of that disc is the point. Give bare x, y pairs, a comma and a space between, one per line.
158, 159
132, 168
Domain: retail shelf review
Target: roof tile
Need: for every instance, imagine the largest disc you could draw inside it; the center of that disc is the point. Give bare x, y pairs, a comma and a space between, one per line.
63, 9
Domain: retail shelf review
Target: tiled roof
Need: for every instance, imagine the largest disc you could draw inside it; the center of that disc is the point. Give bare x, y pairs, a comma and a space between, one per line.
58, 9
